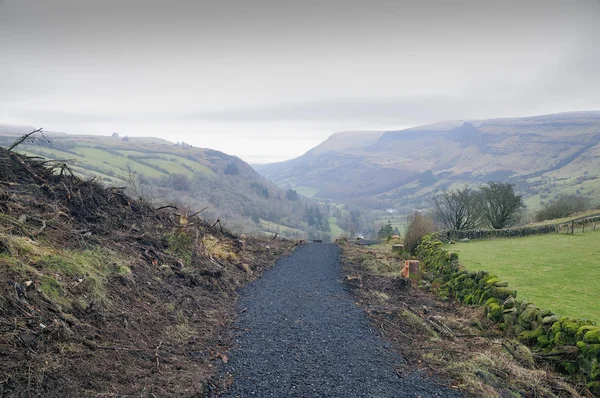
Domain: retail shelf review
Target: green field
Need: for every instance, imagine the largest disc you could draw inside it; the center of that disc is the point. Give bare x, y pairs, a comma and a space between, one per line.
336, 231
557, 272
272, 227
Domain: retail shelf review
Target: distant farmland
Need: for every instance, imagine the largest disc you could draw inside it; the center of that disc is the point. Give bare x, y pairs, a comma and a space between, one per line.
557, 272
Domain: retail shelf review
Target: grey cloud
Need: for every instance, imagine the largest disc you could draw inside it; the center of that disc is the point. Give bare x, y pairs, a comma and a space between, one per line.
115, 62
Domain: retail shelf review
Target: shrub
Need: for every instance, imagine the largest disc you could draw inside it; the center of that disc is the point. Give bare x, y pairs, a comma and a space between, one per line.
562, 206
419, 225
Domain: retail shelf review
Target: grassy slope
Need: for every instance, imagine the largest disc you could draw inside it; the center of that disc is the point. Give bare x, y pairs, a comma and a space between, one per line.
110, 160
559, 272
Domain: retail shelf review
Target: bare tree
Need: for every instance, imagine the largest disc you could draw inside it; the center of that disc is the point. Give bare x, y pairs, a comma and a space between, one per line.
500, 204
458, 209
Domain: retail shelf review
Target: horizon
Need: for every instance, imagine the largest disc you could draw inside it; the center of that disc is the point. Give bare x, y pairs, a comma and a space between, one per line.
270, 80
262, 159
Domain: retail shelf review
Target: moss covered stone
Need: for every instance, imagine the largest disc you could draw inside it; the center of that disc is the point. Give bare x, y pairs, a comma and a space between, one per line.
529, 317
510, 302
543, 341
556, 327
592, 337
545, 313
531, 336
582, 331
494, 312
559, 339
551, 319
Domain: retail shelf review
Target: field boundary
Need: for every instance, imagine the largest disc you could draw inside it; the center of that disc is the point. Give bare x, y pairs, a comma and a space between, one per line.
570, 345
519, 232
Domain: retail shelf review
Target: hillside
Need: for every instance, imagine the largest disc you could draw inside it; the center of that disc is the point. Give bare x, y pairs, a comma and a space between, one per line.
543, 155
163, 171
103, 294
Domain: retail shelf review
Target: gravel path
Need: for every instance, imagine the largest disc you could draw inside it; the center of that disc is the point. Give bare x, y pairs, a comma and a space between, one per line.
302, 336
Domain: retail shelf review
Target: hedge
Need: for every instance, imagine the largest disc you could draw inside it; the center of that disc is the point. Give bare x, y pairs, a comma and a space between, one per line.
574, 342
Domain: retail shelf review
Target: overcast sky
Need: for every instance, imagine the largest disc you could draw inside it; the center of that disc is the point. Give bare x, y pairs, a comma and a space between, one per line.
267, 80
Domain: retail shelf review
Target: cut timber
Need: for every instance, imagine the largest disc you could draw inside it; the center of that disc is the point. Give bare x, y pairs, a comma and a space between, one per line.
411, 269
398, 248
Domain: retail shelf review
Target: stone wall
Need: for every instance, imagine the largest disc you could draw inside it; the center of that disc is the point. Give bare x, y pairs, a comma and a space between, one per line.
572, 344
471, 234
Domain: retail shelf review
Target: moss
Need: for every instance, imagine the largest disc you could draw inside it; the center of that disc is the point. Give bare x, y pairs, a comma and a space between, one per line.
491, 301
570, 327
583, 330
556, 328
594, 350
543, 341
560, 338
592, 337
531, 336
570, 368
510, 302
492, 280
530, 315
594, 387
595, 373
494, 312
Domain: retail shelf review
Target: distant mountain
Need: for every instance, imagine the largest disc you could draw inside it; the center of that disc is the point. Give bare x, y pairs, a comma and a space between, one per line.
543, 155
165, 171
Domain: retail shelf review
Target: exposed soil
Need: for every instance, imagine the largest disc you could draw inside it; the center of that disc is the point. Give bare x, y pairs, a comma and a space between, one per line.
148, 319
456, 342
301, 335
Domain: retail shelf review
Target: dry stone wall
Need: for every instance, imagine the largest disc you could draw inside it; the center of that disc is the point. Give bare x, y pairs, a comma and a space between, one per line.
573, 344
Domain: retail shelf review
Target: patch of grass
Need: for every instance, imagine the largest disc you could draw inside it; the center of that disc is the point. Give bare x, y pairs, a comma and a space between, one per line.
56, 269
104, 159
336, 231
558, 272
180, 332
272, 227
219, 250
179, 245
306, 191
54, 290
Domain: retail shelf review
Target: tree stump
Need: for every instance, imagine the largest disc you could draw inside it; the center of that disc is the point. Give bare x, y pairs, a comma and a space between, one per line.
397, 248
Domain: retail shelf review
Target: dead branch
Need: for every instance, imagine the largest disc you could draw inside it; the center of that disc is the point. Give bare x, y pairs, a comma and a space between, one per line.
23, 138
156, 355
31, 172
166, 207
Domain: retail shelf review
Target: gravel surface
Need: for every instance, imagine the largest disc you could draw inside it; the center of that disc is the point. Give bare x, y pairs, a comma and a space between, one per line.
302, 336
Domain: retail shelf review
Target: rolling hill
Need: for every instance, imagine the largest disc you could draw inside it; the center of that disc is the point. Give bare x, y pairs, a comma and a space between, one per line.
544, 155
165, 172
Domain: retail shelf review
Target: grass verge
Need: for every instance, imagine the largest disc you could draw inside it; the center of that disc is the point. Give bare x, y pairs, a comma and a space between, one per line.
455, 344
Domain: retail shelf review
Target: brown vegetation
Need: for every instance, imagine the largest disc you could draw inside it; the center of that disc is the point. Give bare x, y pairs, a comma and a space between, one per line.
105, 295
419, 225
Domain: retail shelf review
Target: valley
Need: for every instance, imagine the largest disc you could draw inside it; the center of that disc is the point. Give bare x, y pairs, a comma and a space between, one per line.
543, 155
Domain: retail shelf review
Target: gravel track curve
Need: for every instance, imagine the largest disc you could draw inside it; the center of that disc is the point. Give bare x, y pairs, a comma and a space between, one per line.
302, 336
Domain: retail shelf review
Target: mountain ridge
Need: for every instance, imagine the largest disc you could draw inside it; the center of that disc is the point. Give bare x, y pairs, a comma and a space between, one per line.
531, 151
